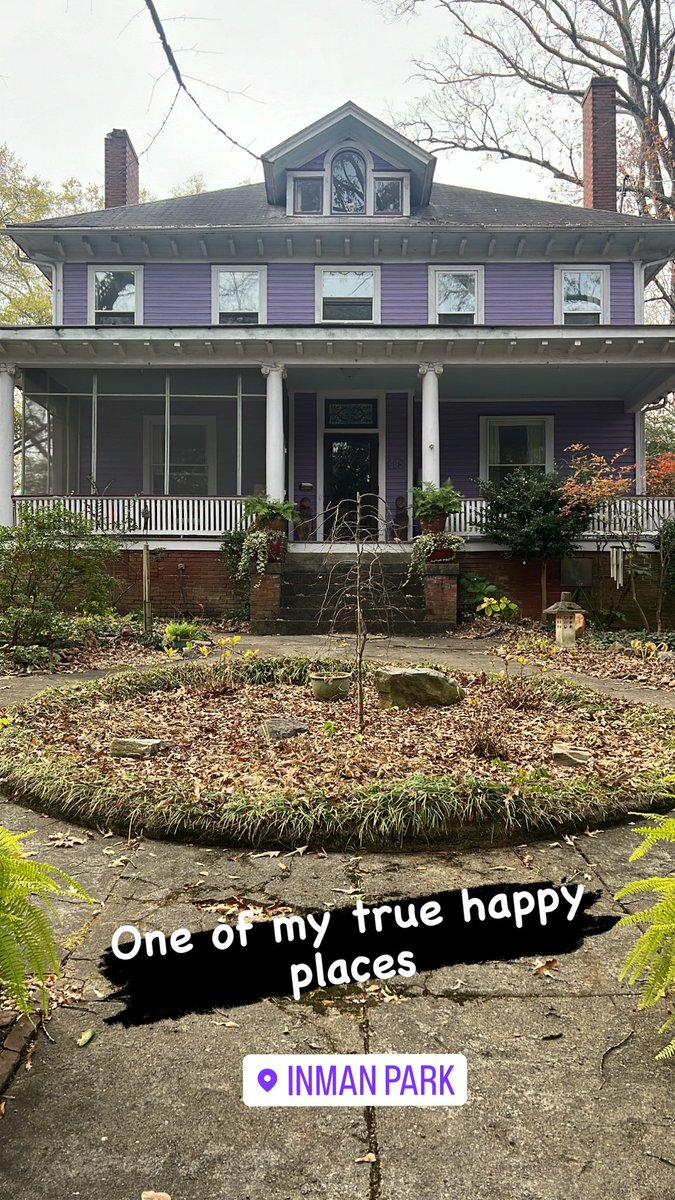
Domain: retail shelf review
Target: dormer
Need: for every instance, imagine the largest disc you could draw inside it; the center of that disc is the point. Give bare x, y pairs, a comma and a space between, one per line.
346, 165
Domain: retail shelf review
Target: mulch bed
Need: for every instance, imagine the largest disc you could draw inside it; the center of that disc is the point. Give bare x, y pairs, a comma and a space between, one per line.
216, 745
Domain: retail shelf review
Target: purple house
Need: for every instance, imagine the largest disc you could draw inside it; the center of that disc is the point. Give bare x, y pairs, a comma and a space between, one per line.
346, 325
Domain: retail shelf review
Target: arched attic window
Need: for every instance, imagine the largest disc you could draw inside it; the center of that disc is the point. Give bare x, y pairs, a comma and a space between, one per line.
348, 182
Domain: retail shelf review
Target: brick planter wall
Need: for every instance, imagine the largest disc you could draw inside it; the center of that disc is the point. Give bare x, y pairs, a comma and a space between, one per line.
440, 596
183, 582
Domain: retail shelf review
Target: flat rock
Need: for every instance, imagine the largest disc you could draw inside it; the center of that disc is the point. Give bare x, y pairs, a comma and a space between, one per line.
121, 747
567, 755
415, 687
276, 729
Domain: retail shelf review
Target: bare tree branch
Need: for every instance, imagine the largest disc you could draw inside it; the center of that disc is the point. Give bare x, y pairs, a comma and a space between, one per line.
182, 85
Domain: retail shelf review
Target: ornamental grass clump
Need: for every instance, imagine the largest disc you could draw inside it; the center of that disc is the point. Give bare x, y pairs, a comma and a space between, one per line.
27, 946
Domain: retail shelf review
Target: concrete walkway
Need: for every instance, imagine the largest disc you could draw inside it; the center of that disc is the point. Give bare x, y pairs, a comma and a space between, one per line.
565, 1098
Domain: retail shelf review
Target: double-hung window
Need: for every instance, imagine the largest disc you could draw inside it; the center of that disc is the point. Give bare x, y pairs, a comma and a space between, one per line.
348, 295
456, 296
239, 296
116, 295
308, 195
514, 443
582, 296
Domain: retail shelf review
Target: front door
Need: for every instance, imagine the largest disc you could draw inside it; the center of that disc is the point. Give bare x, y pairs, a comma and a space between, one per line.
350, 468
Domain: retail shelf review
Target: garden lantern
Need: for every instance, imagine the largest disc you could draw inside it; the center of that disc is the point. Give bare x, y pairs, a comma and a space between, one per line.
565, 611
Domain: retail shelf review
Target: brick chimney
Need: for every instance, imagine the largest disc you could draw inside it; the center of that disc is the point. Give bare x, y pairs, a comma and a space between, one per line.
599, 107
121, 170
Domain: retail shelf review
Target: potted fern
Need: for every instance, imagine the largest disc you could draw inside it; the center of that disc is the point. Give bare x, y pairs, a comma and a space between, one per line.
265, 513
433, 505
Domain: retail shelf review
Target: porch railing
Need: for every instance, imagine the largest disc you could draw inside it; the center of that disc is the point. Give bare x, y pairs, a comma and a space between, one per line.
645, 514
149, 516
211, 516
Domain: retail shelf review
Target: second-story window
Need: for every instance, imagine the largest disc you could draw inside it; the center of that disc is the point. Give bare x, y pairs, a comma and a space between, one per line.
456, 297
115, 296
388, 196
347, 295
583, 296
348, 182
239, 297
308, 195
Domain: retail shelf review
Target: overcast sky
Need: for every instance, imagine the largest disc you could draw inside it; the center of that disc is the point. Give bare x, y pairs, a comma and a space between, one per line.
70, 70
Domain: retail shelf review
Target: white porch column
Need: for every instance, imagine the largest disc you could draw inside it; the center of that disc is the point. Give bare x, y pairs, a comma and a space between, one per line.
431, 450
275, 466
6, 445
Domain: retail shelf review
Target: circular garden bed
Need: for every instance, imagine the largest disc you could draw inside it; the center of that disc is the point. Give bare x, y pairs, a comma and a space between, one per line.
484, 766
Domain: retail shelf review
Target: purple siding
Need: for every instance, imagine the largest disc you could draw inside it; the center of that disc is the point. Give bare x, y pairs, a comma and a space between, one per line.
177, 293
405, 293
75, 294
304, 446
519, 293
290, 294
381, 164
314, 164
622, 294
396, 450
605, 427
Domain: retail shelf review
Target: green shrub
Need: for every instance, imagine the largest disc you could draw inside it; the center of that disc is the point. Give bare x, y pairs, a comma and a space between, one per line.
652, 959
27, 946
37, 624
54, 556
38, 657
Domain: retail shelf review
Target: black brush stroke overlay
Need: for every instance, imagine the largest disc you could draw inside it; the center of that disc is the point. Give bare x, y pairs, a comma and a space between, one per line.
172, 985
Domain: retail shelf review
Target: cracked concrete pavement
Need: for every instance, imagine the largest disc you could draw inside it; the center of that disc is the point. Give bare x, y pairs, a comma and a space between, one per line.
565, 1098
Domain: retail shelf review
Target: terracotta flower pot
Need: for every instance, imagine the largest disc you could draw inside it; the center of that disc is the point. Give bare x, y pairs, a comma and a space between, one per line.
274, 550
433, 524
442, 554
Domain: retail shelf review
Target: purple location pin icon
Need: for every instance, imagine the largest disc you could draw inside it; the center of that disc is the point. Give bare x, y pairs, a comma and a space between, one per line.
267, 1079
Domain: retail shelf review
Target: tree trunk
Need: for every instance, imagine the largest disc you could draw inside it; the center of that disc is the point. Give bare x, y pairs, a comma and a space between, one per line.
544, 587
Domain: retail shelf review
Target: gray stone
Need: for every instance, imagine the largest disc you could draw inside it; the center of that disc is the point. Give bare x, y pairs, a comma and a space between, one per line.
567, 755
277, 729
617, 648
665, 656
130, 747
410, 687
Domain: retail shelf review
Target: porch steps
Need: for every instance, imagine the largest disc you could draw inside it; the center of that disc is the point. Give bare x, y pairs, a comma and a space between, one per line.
318, 594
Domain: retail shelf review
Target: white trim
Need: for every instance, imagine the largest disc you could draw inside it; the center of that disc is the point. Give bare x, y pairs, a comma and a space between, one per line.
639, 292
208, 422
525, 419
93, 269
605, 311
235, 269
456, 269
640, 453
57, 293
352, 268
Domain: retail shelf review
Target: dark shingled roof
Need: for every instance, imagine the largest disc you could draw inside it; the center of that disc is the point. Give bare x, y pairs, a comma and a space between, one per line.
454, 207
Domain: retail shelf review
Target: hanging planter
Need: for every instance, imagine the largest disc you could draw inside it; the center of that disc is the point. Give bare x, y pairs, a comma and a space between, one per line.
433, 547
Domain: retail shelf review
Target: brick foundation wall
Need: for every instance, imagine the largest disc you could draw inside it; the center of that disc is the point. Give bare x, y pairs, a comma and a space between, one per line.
202, 587
521, 582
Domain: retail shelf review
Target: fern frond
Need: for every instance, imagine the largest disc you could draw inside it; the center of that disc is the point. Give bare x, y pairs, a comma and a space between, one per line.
27, 945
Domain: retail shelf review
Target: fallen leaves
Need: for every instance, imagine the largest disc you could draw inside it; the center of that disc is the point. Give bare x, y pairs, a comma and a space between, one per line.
86, 1037
546, 968
367, 1158
66, 841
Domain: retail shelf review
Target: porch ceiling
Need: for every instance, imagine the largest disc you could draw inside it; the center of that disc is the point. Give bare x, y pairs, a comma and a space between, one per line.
635, 364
